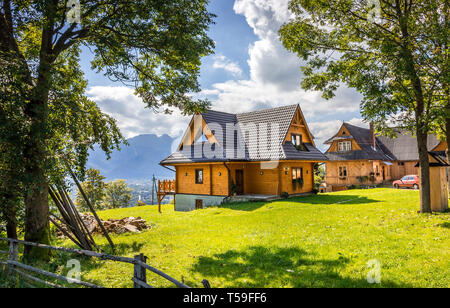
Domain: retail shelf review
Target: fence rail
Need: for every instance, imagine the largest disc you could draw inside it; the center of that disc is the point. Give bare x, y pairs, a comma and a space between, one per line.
139, 261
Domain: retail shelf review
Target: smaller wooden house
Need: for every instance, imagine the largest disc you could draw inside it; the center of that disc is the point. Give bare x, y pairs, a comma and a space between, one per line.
438, 182
356, 156
255, 155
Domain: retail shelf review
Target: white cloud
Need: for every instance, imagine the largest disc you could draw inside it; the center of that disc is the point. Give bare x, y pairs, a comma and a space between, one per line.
275, 73
274, 80
222, 62
132, 117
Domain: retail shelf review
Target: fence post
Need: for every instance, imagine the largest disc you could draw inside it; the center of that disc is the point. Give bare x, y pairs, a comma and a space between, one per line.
140, 272
13, 255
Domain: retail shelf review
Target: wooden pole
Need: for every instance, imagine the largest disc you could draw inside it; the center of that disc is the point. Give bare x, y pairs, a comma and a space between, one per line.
140, 273
92, 209
13, 256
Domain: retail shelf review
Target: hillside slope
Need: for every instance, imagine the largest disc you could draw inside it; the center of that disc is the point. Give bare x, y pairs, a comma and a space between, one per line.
318, 241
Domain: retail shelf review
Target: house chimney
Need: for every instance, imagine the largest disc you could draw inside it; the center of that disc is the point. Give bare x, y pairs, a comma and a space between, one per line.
372, 137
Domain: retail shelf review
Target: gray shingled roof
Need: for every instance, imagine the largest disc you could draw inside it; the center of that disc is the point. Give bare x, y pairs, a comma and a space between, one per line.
367, 152
402, 148
252, 146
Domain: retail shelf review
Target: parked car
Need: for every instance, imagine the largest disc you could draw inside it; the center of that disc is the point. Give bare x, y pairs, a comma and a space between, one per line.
411, 181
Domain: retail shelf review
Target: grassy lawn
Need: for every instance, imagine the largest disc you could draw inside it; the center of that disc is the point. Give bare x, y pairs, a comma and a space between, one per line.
317, 241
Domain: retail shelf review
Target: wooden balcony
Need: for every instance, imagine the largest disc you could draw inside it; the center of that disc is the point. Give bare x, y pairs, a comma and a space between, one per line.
165, 187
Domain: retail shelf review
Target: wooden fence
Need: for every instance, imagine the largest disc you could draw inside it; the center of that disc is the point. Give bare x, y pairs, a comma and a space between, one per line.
28, 272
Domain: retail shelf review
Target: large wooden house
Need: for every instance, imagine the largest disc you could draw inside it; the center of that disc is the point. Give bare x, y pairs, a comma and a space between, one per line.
258, 154
356, 156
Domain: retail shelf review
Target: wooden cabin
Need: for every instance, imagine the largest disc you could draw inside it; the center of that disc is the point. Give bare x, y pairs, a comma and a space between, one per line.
356, 156
260, 154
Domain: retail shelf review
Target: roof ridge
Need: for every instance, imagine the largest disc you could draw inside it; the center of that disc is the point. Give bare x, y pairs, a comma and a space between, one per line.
267, 109
212, 110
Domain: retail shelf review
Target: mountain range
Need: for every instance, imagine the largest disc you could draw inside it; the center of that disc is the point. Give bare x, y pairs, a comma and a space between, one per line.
136, 162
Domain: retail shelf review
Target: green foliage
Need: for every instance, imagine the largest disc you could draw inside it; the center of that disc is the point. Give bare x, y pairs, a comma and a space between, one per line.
111, 195
397, 60
117, 195
155, 46
319, 175
140, 203
94, 188
316, 241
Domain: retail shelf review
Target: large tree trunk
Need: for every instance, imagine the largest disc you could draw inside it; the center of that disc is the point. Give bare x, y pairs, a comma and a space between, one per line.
425, 200
10, 214
447, 132
11, 224
35, 156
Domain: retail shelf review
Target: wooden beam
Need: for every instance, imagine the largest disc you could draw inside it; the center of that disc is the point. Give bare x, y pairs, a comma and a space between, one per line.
210, 181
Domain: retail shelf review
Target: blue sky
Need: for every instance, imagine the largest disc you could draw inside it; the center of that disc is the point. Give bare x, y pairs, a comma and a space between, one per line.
250, 70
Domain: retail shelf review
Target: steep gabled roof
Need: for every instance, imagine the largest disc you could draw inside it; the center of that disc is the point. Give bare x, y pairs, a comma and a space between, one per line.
362, 137
252, 147
402, 148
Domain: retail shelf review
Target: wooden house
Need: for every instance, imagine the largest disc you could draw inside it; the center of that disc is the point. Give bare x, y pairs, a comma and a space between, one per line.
356, 156
260, 154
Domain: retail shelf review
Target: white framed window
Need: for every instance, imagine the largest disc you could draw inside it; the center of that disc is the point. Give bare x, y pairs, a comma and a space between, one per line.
296, 139
344, 146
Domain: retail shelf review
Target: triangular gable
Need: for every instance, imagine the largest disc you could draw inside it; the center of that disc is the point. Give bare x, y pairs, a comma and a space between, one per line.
298, 123
341, 136
195, 131
441, 147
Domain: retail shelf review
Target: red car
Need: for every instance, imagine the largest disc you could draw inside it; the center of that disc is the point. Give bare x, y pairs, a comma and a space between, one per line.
407, 181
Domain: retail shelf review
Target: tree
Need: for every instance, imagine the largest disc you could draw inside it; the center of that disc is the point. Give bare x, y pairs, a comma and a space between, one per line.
94, 188
117, 195
74, 123
394, 52
154, 45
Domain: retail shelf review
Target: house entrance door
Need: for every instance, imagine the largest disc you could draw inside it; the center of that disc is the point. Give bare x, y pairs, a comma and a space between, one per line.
240, 182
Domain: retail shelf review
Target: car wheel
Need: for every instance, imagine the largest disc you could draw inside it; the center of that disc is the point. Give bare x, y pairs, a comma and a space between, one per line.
415, 186
396, 186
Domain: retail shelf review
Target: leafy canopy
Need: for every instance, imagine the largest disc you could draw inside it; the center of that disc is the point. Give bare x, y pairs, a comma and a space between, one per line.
394, 52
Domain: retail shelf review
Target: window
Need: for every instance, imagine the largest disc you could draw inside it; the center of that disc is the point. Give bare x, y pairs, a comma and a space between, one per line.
297, 141
343, 172
199, 176
297, 173
345, 146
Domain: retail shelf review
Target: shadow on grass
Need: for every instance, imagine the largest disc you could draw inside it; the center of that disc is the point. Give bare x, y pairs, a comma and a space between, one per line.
445, 225
60, 263
314, 199
259, 267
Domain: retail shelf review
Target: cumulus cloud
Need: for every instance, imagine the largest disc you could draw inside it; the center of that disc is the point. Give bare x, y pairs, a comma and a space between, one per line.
222, 62
275, 73
274, 80
132, 117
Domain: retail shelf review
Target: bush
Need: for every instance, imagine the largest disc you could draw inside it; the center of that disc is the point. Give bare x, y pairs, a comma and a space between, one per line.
140, 203
315, 191
284, 195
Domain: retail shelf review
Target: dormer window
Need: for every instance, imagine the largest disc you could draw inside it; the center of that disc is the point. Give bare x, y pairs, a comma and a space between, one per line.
297, 141
344, 146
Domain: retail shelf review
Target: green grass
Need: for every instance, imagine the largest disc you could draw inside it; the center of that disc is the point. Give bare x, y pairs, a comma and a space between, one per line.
317, 241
